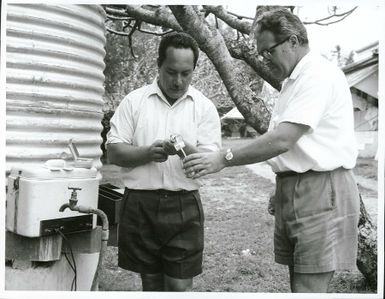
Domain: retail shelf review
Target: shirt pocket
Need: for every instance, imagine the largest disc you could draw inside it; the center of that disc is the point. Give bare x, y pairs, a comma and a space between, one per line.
184, 123
146, 130
190, 134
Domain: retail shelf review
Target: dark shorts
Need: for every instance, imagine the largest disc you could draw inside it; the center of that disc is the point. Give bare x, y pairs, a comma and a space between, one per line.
316, 219
161, 232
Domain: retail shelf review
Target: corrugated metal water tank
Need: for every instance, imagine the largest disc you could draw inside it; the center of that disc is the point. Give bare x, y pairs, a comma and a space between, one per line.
54, 88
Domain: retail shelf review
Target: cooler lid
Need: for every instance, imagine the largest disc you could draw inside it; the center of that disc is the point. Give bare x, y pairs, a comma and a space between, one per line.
52, 170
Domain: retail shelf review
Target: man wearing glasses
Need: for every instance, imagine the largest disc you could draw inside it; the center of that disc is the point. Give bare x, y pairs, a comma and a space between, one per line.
311, 147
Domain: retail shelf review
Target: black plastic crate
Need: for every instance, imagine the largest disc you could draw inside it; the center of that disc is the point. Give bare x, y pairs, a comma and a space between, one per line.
109, 202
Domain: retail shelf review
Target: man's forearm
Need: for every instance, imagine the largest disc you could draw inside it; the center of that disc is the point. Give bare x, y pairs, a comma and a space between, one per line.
262, 149
125, 155
190, 149
269, 145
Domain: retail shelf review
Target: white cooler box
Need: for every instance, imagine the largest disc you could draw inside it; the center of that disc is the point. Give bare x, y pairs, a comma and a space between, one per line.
35, 195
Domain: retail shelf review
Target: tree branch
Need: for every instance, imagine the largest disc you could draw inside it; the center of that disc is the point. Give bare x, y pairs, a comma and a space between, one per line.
159, 17
241, 50
342, 15
212, 43
115, 18
234, 22
162, 17
140, 30
115, 12
240, 16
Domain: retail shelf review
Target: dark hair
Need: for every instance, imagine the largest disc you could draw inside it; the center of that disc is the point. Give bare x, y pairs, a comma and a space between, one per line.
282, 23
177, 40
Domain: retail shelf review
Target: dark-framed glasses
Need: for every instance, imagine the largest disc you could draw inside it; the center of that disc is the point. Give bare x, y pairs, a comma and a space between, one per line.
266, 54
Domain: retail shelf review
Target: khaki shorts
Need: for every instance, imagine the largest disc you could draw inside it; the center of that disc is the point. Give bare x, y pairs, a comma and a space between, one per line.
316, 221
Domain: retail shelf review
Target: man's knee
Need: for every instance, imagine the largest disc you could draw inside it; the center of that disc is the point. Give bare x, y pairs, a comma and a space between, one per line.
310, 282
152, 282
177, 285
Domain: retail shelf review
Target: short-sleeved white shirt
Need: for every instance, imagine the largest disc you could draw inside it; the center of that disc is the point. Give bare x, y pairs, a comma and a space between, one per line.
317, 95
145, 115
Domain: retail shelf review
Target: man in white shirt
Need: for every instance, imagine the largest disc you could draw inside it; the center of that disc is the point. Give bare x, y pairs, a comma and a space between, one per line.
310, 145
161, 223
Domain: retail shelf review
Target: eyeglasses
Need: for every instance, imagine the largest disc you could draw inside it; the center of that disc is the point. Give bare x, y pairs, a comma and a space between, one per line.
266, 54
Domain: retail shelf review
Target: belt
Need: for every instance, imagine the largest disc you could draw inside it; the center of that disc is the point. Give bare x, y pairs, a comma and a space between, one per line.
284, 174
163, 191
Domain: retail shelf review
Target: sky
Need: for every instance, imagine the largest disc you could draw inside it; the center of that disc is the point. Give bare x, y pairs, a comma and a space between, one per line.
356, 31
352, 33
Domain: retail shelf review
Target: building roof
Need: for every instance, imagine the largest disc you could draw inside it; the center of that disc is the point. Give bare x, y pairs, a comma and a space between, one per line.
360, 74
365, 69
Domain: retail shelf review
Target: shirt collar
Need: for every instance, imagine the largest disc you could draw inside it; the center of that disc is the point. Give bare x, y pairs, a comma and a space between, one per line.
300, 66
155, 89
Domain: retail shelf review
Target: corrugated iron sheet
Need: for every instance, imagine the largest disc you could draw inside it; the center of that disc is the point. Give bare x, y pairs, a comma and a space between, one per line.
357, 76
365, 79
55, 63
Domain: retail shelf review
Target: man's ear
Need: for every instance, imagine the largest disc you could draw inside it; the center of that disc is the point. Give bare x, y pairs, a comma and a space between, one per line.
294, 40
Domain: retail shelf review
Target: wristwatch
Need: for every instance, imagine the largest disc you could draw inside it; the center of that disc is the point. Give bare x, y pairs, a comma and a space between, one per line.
229, 155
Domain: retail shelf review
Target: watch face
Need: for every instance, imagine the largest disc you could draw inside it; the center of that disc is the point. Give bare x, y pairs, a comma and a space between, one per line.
229, 156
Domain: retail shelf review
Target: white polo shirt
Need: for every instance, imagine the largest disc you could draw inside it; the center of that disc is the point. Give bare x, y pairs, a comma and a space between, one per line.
316, 94
145, 115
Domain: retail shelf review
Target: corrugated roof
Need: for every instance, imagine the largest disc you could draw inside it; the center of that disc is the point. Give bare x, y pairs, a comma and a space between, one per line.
365, 67
367, 56
370, 47
355, 77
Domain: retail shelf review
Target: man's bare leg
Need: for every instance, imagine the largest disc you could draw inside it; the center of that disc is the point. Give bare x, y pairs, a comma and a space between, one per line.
177, 285
152, 282
309, 282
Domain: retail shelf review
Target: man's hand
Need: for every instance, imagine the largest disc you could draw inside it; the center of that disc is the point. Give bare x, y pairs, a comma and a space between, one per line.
169, 148
270, 206
156, 152
200, 164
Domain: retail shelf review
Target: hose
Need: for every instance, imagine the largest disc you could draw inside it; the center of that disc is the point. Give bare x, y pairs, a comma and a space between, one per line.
103, 248
104, 236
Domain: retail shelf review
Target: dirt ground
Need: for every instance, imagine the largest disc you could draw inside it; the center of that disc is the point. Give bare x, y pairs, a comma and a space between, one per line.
238, 254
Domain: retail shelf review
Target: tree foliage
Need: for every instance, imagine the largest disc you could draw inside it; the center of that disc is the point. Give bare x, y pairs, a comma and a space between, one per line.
123, 71
225, 38
132, 65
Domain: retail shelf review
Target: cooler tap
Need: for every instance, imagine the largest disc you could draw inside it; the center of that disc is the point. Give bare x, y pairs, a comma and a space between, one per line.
72, 201
72, 205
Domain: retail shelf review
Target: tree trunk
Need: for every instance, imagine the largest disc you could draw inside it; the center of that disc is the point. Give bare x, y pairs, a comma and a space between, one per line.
213, 44
367, 247
242, 51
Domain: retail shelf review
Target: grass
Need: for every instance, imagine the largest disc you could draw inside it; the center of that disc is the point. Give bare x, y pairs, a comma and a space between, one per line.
238, 254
